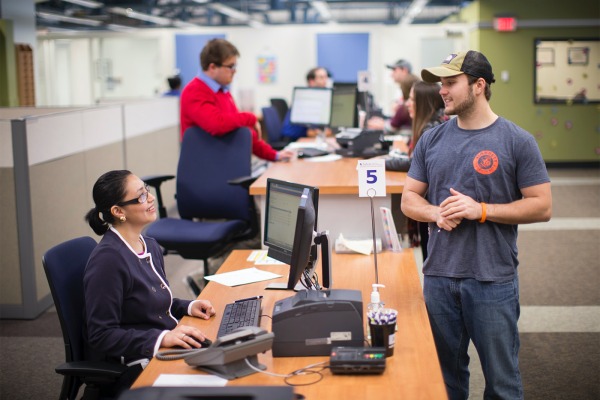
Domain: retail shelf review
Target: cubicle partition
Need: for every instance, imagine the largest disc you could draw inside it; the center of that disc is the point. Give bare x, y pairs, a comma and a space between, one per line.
49, 161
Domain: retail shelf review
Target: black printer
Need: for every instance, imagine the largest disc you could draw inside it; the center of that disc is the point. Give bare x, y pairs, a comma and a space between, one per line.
363, 143
311, 322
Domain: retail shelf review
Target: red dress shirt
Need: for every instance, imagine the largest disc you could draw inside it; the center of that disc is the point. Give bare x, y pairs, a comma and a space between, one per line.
218, 115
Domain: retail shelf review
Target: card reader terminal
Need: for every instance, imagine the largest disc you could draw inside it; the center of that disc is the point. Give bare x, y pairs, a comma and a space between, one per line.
357, 360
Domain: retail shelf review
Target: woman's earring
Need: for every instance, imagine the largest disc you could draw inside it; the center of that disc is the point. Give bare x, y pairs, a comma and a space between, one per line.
122, 218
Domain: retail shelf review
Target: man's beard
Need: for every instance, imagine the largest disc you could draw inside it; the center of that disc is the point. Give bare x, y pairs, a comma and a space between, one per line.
463, 108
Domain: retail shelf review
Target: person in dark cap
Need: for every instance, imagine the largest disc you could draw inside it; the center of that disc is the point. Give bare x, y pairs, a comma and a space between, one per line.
474, 179
403, 76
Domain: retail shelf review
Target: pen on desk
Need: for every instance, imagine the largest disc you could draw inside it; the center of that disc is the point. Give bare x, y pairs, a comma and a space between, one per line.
249, 298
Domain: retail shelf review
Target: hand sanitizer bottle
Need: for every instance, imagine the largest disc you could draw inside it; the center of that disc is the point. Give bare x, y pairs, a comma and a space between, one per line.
375, 305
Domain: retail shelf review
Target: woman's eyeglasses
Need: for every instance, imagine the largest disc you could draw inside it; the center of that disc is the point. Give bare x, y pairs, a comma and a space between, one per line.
140, 200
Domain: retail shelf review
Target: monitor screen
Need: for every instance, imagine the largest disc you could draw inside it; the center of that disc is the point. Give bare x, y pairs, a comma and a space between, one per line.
311, 106
344, 110
290, 221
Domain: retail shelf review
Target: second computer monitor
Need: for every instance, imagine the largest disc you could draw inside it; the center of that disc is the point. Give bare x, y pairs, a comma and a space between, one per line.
311, 106
344, 109
290, 226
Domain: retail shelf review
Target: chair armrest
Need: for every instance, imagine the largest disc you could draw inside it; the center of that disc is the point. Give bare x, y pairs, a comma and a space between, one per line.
244, 181
92, 370
155, 181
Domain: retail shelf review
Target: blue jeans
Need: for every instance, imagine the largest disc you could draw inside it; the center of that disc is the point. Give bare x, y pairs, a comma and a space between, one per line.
461, 310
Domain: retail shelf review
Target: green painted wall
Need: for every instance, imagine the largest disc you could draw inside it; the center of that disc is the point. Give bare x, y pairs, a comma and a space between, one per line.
565, 133
9, 96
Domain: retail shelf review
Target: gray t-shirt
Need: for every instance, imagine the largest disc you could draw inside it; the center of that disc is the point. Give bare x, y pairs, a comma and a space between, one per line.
490, 165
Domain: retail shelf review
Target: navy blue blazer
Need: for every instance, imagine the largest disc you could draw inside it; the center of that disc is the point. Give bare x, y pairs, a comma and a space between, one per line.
128, 302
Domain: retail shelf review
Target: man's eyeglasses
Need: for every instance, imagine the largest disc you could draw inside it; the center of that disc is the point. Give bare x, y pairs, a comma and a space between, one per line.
230, 66
140, 200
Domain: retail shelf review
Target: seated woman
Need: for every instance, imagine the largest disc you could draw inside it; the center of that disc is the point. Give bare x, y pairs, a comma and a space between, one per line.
130, 309
426, 109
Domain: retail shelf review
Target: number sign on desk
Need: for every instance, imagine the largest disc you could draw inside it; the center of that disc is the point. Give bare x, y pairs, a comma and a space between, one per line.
371, 178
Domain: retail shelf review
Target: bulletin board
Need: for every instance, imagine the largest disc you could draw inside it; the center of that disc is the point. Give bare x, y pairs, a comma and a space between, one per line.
567, 71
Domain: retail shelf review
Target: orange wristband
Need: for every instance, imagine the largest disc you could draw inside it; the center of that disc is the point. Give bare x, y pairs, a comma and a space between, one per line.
483, 212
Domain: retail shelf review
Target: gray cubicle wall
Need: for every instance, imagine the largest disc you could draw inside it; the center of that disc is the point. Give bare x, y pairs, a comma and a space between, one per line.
49, 161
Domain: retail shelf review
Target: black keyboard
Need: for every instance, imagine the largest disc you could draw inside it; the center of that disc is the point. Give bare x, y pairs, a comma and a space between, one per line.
239, 314
308, 152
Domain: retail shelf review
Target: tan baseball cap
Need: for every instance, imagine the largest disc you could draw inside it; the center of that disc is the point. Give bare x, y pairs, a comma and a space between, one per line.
471, 62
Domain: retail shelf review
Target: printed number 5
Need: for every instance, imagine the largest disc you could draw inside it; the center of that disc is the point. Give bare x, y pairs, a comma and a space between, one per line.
371, 176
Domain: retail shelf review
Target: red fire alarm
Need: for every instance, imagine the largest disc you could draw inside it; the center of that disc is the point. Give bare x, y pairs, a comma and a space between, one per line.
505, 24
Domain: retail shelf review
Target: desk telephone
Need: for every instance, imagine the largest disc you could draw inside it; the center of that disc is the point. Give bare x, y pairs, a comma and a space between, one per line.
226, 357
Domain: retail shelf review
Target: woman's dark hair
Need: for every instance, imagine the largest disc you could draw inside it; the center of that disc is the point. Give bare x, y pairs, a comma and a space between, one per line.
108, 190
427, 100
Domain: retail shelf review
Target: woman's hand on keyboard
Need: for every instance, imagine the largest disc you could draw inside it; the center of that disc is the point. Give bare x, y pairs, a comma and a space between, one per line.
202, 309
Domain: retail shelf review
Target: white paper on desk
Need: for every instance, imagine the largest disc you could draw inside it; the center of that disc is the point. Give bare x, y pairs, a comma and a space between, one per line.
307, 144
242, 277
360, 246
259, 257
327, 158
188, 380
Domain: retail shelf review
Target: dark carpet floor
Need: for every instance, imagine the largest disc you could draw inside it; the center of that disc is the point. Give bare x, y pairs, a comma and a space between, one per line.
558, 268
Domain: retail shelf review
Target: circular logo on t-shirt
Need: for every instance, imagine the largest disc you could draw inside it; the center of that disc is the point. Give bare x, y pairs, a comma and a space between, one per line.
485, 162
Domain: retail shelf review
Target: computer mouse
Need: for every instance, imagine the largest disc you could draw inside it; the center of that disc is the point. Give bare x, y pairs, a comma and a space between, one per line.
204, 343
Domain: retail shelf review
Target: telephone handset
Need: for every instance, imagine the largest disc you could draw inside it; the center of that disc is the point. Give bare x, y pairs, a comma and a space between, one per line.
227, 356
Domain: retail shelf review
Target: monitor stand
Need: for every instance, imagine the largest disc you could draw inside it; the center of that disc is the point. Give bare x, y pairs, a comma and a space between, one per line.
322, 241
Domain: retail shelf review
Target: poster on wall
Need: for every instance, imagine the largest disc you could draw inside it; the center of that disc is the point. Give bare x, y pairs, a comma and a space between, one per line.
267, 69
579, 55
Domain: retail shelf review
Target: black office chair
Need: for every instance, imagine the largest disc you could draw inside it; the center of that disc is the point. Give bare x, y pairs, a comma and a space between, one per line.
274, 126
215, 207
64, 265
281, 106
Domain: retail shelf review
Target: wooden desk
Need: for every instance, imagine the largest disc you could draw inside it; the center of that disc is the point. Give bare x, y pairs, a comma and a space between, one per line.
340, 208
412, 373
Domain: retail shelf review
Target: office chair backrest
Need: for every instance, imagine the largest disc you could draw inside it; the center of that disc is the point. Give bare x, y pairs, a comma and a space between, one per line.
64, 265
273, 124
281, 106
206, 164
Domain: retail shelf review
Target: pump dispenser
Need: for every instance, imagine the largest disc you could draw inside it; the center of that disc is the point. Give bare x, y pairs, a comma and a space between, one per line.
376, 302
375, 305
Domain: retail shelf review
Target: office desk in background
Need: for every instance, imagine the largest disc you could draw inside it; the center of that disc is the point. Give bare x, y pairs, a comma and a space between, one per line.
340, 208
412, 373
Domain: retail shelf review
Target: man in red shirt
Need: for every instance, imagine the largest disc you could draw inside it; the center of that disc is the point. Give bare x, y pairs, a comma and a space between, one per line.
206, 100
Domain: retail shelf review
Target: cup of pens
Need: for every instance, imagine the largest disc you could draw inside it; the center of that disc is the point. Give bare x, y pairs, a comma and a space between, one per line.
382, 324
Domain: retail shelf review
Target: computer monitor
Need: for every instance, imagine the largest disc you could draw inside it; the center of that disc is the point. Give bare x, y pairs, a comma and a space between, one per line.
344, 108
311, 106
290, 233
344, 85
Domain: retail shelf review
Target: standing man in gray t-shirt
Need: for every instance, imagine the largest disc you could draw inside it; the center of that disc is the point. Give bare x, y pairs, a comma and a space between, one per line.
473, 179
